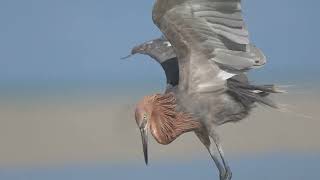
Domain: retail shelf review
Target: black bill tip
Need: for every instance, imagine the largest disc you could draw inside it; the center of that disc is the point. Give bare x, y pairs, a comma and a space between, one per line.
144, 138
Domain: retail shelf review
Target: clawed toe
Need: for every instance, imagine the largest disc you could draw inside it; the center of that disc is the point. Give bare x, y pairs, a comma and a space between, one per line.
226, 176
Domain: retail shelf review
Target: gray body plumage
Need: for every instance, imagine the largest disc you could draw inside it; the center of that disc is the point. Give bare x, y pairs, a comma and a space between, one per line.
208, 47
212, 45
232, 103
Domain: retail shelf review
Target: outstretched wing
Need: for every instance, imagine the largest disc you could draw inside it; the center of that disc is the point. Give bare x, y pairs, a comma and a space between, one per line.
210, 40
161, 50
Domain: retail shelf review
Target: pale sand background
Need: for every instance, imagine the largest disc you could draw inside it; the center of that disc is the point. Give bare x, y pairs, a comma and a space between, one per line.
88, 128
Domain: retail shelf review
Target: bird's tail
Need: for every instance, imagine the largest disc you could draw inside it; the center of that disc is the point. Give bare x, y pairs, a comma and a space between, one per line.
249, 94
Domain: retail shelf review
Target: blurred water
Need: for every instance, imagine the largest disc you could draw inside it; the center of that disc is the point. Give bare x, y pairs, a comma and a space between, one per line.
275, 167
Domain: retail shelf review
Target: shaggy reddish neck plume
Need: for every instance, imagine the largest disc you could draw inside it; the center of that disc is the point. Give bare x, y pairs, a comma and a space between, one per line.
165, 123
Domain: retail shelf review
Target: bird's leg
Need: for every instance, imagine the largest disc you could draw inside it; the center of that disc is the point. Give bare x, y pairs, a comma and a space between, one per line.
204, 138
228, 173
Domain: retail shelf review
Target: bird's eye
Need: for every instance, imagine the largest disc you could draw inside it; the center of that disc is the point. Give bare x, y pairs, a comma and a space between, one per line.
144, 121
145, 117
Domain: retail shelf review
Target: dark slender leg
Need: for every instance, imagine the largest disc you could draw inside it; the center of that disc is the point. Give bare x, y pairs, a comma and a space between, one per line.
204, 138
228, 173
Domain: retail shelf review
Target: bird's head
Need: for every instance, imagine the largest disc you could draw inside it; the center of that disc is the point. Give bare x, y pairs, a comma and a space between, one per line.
143, 114
157, 114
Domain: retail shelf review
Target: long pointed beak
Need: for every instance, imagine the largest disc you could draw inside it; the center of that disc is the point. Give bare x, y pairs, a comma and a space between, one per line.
144, 138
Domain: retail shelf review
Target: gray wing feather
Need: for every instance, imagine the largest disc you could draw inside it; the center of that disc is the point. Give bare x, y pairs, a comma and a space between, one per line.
208, 36
239, 60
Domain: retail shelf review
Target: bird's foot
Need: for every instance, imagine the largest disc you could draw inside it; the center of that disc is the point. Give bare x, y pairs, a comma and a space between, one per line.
227, 175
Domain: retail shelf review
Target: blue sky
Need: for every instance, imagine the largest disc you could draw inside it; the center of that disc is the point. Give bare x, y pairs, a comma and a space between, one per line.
67, 42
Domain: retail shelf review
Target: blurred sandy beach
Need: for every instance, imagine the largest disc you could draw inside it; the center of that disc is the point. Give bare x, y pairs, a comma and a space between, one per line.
94, 128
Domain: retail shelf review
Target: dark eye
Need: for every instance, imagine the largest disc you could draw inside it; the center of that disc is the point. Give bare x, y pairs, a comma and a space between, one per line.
144, 121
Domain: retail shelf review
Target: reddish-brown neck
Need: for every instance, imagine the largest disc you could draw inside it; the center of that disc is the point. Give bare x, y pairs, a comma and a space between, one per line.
166, 124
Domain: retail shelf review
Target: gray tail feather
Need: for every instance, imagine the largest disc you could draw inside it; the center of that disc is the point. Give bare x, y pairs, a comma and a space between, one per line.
248, 94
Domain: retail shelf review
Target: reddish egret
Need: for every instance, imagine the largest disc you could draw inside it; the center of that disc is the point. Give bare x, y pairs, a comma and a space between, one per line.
205, 53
